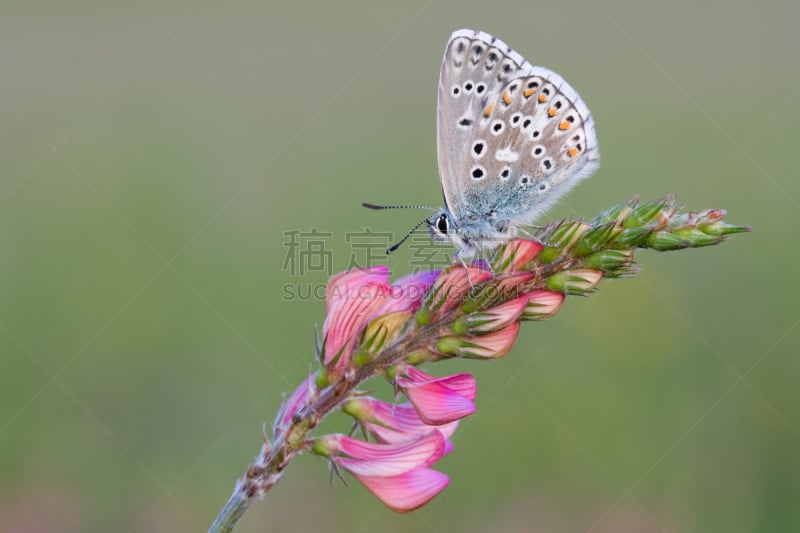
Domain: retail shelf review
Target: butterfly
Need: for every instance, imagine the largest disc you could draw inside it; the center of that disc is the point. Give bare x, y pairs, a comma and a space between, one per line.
512, 139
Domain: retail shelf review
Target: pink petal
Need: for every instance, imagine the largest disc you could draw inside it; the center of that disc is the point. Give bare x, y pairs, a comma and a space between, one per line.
373, 459
299, 399
419, 279
590, 277
454, 284
437, 403
497, 317
408, 491
517, 253
489, 346
348, 316
499, 343
409, 291
543, 303
342, 284
396, 423
463, 383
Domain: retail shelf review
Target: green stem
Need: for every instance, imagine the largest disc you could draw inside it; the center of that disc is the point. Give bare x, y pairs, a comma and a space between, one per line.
233, 511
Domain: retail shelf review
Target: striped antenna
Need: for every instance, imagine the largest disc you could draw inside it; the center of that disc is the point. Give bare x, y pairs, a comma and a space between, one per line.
399, 243
382, 207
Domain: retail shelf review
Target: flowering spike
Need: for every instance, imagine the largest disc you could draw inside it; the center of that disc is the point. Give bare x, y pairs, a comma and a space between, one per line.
464, 311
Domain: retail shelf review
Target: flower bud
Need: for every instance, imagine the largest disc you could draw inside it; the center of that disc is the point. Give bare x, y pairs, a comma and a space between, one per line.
492, 319
449, 290
581, 281
491, 346
610, 261
596, 238
542, 304
515, 255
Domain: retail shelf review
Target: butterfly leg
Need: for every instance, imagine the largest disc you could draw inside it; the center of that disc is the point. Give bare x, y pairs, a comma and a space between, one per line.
466, 269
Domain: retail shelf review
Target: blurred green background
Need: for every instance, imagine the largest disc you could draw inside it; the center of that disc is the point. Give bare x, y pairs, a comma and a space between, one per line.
154, 153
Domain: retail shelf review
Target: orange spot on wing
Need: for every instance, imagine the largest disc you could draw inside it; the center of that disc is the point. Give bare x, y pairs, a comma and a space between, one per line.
488, 110
542, 98
564, 125
572, 152
506, 97
551, 112
528, 92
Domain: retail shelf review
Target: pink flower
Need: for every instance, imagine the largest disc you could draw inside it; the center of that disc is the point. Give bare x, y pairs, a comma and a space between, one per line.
389, 423
517, 254
409, 291
542, 304
493, 319
454, 283
299, 399
355, 297
491, 346
397, 474
408, 491
439, 400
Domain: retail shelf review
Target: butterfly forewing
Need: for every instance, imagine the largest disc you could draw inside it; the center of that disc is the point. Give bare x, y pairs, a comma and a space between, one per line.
511, 137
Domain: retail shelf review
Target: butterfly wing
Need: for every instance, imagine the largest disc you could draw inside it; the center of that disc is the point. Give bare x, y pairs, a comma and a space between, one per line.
512, 137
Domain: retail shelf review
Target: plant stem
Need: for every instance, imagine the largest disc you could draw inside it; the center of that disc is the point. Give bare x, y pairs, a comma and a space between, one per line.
233, 511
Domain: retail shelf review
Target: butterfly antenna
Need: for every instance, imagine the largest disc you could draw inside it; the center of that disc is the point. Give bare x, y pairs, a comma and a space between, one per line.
382, 207
399, 243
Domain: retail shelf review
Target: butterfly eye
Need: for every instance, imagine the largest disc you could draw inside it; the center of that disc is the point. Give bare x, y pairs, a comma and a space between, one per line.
441, 224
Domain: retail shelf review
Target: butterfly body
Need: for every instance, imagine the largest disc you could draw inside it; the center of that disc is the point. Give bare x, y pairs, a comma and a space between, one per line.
512, 139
